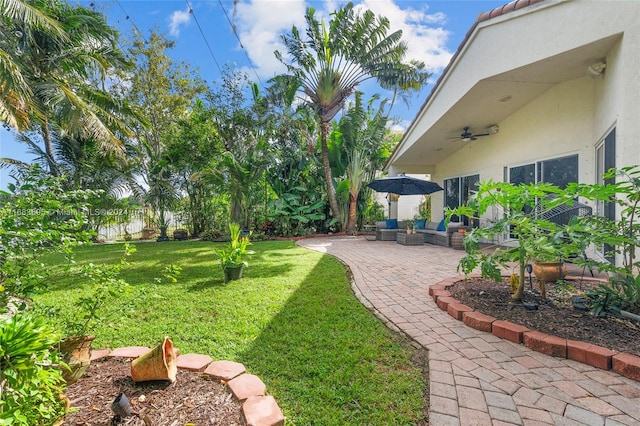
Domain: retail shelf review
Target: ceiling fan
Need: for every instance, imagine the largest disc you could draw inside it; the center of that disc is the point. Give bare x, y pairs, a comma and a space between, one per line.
467, 136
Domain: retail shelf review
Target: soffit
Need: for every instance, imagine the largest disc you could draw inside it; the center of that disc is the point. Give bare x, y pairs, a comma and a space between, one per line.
481, 106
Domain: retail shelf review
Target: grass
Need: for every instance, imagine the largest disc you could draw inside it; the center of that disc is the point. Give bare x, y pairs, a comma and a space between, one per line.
292, 320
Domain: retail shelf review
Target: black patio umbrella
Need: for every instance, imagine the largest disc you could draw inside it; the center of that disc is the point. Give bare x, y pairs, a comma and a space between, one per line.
404, 185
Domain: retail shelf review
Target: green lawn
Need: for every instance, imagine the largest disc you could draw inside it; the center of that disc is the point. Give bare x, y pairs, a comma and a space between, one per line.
292, 320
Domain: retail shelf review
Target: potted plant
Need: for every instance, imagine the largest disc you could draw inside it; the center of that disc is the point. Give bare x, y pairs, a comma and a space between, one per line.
148, 232
548, 268
77, 324
231, 255
409, 227
520, 208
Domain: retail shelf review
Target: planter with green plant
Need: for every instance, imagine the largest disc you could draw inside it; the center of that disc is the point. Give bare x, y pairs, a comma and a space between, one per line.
77, 324
521, 208
409, 227
232, 254
615, 238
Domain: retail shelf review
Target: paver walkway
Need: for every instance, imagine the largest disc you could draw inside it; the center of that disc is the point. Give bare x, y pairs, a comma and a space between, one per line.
476, 378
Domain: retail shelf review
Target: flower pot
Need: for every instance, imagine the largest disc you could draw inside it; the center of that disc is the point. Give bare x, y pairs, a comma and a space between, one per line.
76, 353
232, 273
549, 271
157, 364
409, 231
148, 233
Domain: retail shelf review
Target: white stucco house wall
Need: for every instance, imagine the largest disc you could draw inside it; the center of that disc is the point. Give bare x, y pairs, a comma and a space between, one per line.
555, 84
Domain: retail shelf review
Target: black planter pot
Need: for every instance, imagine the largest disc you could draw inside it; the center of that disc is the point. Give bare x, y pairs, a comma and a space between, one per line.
233, 273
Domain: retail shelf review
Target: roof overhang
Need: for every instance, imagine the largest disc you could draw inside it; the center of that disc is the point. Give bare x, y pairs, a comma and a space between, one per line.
431, 136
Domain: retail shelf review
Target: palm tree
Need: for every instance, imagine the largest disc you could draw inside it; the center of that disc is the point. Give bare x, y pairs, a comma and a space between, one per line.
54, 76
15, 92
363, 131
332, 60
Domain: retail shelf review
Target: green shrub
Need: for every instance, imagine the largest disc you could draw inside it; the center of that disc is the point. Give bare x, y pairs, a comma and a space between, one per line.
211, 235
30, 386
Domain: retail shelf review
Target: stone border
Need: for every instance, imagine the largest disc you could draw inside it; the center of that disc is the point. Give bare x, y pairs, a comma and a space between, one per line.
258, 408
626, 365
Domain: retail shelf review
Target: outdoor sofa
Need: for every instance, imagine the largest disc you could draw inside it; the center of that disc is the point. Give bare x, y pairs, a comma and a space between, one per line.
435, 232
385, 231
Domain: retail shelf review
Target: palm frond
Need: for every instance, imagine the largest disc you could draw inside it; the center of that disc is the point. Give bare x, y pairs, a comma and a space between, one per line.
26, 14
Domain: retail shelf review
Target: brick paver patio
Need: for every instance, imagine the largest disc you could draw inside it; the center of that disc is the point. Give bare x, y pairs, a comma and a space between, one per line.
476, 378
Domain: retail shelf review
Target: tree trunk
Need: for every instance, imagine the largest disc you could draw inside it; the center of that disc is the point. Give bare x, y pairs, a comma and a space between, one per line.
236, 211
48, 147
353, 209
517, 296
331, 192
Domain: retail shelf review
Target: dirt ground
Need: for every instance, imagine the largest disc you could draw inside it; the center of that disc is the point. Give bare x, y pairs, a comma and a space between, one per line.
554, 315
193, 399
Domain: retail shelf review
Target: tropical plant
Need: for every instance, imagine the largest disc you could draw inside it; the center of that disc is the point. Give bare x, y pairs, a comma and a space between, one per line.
362, 130
621, 236
294, 204
295, 217
15, 88
38, 217
232, 254
63, 56
242, 132
522, 209
30, 389
424, 209
88, 312
335, 58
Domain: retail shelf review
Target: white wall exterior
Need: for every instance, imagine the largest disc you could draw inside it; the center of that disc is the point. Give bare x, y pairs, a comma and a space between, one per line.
566, 117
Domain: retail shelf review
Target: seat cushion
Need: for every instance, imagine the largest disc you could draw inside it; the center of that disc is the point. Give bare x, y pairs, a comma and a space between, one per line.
431, 226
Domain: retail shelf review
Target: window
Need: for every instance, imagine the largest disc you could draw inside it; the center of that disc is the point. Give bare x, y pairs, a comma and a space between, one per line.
458, 191
557, 171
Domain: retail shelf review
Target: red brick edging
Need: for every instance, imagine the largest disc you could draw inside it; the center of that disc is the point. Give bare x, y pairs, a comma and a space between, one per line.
258, 408
622, 363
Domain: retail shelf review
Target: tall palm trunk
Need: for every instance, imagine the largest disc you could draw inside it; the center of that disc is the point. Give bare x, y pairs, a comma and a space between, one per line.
48, 147
331, 192
353, 210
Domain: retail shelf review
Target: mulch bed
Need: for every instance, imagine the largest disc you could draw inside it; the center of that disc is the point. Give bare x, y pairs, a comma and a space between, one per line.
193, 399
555, 315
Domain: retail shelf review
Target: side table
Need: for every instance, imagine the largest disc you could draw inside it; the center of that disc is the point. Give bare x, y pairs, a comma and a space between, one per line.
457, 240
369, 232
410, 239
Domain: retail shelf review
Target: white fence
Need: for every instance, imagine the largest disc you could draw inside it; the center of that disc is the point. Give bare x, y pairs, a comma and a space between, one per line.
136, 224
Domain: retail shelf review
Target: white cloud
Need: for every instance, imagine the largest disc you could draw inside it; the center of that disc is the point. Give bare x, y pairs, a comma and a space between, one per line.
260, 23
177, 19
423, 32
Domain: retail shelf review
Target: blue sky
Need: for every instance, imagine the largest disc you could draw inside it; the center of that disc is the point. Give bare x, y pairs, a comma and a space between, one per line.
432, 29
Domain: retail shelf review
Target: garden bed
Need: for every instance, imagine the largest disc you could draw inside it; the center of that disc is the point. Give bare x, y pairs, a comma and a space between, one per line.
192, 399
555, 315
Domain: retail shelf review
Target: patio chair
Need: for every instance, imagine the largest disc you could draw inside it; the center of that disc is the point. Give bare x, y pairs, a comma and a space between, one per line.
386, 233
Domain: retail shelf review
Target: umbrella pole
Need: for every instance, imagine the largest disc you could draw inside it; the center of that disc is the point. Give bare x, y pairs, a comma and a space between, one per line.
388, 206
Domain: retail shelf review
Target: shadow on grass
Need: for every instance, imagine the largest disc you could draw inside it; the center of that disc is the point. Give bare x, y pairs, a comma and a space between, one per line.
328, 360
